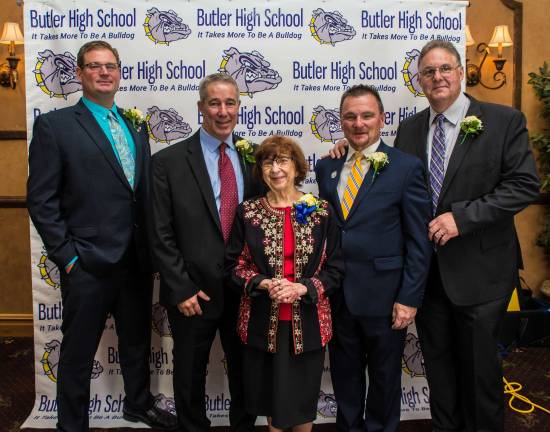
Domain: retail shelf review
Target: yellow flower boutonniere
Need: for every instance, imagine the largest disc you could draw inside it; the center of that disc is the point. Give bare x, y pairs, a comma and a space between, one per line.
135, 117
245, 149
306, 205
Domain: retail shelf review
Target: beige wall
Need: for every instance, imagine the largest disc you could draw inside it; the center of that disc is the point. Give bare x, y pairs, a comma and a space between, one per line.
482, 15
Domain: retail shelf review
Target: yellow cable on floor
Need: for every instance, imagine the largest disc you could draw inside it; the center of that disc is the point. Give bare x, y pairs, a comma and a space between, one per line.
512, 389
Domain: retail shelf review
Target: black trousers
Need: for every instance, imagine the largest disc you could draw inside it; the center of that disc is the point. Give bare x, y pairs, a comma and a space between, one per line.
193, 338
87, 300
361, 343
463, 367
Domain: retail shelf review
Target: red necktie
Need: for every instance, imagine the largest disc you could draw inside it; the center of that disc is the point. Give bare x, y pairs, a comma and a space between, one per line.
229, 197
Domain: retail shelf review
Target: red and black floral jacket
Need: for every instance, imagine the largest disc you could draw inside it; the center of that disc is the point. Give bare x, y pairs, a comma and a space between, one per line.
255, 252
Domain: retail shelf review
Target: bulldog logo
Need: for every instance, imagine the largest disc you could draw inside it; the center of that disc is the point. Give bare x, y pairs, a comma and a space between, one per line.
325, 124
48, 270
165, 403
163, 27
410, 73
161, 326
166, 125
330, 27
413, 360
251, 71
56, 74
326, 405
50, 361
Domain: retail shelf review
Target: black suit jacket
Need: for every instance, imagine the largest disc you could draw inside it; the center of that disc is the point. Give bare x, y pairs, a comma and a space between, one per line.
78, 196
187, 239
490, 178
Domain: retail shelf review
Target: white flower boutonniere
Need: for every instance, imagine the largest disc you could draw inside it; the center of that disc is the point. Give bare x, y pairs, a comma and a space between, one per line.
135, 117
245, 149
378, 160
471, 125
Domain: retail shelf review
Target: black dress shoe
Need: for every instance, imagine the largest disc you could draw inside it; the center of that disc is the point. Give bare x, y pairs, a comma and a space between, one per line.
154, 417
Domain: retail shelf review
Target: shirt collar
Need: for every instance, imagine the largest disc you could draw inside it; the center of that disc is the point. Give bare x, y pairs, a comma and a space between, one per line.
100, 110
453, 114
367, 151
212, 143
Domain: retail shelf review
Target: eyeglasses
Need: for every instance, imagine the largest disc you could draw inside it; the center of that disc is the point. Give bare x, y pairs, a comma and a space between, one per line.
445, 70
281, 161
96, 67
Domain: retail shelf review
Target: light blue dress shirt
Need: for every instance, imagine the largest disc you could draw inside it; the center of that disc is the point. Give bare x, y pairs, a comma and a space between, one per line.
101, 113
209, 145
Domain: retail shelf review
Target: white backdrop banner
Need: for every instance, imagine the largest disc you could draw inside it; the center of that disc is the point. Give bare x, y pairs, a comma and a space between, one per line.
291, 62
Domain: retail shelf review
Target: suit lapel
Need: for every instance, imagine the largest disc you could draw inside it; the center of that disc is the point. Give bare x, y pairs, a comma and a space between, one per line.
90, 125
198, 168
367, 182
137, 144
423, 126
460, 150
246, 169
332, 183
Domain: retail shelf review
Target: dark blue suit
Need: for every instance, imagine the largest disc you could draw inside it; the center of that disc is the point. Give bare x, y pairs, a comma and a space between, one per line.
386, 253
82, 205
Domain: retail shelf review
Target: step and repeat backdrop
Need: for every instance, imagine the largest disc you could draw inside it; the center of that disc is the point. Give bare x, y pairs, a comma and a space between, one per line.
291, 62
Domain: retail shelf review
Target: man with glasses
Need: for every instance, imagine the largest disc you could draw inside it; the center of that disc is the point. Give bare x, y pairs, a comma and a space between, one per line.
88, 195
481, 173
382, 206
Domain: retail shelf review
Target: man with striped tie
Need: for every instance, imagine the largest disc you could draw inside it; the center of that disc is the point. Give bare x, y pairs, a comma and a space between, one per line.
382, 204
481, 173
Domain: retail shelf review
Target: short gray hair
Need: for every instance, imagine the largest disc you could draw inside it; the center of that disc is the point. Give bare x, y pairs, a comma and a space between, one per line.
213, 78
436, 43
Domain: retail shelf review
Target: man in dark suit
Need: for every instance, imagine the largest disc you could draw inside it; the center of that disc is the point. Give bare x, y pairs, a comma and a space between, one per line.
87, 197
383, 212
197, 185
478, 181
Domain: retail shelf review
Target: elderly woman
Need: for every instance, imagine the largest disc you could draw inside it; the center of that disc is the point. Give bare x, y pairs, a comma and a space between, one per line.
284, 257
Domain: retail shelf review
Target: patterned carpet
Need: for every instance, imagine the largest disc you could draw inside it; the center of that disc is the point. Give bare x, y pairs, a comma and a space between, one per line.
528, 366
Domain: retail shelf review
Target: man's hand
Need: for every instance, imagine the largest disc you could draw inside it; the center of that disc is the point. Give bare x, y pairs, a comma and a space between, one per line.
284, 291
338, 150
402, 316
442, 229
191, 306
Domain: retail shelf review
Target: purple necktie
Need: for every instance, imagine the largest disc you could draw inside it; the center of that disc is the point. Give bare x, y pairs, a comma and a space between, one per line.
437, 160
229, 197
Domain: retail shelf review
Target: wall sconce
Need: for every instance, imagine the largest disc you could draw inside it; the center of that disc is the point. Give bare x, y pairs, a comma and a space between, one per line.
11, 35
500, 39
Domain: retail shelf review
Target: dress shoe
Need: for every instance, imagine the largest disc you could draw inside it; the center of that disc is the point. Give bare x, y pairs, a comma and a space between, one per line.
154, 417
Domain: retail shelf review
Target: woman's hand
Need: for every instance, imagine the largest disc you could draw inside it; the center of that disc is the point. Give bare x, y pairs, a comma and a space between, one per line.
284, 291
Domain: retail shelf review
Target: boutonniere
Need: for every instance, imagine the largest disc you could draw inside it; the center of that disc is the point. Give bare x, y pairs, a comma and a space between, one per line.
378, 160
471, 125
306, 205
245, 149
135, 117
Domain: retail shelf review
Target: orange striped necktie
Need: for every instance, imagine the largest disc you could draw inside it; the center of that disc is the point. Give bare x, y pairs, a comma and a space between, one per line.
353, 184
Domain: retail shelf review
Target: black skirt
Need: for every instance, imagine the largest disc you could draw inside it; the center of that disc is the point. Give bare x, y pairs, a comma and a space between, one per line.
283, 385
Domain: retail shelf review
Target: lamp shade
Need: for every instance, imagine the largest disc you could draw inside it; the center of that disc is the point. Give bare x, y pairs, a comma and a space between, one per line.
11, 33
501, 37
469, 39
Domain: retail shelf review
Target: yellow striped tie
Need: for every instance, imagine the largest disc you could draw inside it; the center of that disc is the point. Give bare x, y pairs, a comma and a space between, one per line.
353, 184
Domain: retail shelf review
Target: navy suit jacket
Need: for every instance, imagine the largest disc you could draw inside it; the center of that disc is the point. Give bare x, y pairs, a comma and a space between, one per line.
78, 196
385, 237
